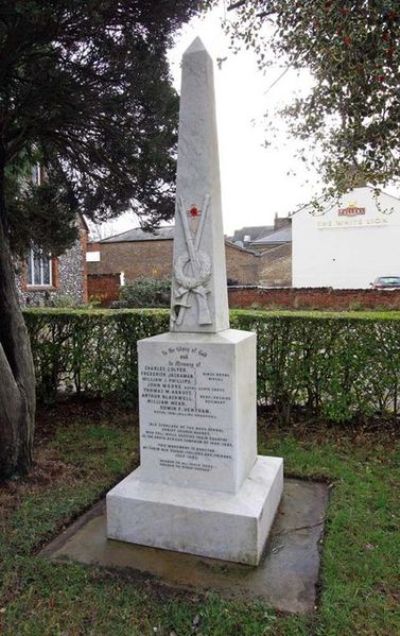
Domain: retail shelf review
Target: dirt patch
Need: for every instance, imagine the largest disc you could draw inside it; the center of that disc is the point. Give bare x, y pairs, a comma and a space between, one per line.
376, 435
302, 425
67, 411
47, 469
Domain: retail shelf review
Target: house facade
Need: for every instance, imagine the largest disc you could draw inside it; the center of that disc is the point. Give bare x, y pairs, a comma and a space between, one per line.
137, 254
347, 243
140, 254
43, 280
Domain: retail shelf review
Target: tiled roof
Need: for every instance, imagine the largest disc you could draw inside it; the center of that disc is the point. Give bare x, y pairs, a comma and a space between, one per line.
255, 232
137, 234
164, 233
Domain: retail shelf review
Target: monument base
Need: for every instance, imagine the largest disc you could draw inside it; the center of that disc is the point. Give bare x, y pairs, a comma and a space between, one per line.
232, 527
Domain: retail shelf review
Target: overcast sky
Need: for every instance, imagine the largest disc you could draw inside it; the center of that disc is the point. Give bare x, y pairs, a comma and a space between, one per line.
255, 183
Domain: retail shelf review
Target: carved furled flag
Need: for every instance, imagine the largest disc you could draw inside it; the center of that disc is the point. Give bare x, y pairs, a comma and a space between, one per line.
199, 300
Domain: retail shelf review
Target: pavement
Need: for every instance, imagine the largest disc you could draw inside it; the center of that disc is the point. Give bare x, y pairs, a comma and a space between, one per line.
286, 579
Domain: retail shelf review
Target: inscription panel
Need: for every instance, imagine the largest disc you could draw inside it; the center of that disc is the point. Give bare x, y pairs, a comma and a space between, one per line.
186, 430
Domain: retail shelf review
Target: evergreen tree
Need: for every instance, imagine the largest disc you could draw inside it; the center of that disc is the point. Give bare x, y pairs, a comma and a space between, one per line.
85, 91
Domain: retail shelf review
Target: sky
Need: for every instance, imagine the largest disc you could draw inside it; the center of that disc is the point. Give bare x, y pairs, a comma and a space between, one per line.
254, 178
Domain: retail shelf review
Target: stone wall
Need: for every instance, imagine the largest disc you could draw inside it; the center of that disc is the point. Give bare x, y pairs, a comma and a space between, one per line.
314, 298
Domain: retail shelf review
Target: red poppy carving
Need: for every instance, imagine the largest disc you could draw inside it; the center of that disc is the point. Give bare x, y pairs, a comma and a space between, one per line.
194, 211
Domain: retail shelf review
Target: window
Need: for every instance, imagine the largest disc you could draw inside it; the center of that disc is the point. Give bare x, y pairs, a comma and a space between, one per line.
39, 268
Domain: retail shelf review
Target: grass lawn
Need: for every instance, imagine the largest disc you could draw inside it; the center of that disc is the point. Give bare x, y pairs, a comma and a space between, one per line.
81, 451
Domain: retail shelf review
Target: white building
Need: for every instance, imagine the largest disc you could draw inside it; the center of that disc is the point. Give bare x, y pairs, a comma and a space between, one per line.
348, 243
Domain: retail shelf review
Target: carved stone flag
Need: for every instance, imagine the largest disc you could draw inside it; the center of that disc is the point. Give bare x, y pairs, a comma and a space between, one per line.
199, 299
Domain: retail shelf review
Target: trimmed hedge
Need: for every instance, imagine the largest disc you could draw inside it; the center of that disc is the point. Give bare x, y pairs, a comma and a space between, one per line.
338, 365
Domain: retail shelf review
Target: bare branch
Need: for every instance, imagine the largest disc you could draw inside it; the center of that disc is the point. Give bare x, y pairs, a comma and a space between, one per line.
236, 5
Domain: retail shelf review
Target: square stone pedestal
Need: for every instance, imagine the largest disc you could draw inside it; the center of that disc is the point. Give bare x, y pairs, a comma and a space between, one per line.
200, 487
197, 409
233, 527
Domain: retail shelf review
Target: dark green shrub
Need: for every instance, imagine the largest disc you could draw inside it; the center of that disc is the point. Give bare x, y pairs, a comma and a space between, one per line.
89, 351
145, 292
335, 365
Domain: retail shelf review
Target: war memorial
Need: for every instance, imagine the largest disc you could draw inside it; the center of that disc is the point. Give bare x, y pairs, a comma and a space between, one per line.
200, 487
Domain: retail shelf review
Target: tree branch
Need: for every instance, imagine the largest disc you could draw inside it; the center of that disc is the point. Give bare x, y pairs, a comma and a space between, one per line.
241, 3
236, 5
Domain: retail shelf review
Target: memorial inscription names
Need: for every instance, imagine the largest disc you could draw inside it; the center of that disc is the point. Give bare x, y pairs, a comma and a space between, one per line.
185, 403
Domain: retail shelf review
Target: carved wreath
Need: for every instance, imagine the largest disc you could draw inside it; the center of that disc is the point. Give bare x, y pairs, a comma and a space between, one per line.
190, 282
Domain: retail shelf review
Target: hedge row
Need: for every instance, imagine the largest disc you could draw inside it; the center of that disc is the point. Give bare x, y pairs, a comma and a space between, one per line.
335, 365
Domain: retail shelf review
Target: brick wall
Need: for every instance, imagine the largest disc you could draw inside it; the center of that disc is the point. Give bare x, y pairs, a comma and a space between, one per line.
149, 259
275, 267
316, 298
103, 288
153, 259
241, 265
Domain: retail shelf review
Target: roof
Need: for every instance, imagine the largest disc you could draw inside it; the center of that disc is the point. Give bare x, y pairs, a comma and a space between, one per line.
330, 200
234, 246
255, 232
138, 234
284, 235
165, 233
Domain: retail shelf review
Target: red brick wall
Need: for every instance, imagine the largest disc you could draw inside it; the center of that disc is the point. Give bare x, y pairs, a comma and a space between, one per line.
136, 259
153, 259
83, 238
103, 287
93, 247
317, 298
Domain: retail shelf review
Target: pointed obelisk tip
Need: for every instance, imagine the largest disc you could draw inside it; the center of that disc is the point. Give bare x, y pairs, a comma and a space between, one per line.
196, 46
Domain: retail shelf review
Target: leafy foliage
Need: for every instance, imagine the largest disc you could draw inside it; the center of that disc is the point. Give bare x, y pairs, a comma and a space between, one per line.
85, 93
146, 292
338, 366
352, 48
85, 90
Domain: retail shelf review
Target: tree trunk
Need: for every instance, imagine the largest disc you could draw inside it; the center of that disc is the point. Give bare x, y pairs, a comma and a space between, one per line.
17, 377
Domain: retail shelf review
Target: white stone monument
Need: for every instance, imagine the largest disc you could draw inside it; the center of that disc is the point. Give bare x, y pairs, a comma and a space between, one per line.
200, 487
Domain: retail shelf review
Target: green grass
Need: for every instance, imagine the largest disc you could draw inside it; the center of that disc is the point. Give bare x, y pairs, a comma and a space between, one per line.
82, 454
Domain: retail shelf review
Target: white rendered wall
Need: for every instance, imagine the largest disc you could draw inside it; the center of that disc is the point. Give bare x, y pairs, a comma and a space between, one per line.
347, 252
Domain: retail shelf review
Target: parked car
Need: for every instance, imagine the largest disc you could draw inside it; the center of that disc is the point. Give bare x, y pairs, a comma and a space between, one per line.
386, 282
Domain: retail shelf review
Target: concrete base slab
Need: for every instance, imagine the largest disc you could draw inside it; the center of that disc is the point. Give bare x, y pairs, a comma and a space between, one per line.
210, 523
286, 578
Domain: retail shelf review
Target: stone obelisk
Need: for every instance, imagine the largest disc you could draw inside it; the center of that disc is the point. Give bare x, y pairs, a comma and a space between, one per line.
200, 487
199, 300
